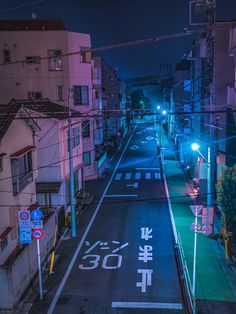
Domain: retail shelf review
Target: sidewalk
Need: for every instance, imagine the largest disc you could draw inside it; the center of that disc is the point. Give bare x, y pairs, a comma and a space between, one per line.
215, 280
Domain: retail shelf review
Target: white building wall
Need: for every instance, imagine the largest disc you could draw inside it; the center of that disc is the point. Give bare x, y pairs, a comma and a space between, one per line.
17, 137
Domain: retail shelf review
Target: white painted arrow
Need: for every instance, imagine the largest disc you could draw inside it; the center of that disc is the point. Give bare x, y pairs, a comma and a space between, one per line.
134, 185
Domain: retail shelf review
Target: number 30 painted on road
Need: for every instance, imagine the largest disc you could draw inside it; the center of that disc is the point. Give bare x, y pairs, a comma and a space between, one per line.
94, 261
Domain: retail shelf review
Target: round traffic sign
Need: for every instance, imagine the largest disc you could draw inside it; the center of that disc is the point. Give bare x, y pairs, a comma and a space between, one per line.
24, 215
37, 234
36, 214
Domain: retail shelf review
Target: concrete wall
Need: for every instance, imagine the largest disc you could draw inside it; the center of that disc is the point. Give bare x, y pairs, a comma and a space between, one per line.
16, 277
18, 136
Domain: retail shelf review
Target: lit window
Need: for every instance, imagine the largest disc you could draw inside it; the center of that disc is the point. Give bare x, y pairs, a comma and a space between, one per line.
54, 60
87, 158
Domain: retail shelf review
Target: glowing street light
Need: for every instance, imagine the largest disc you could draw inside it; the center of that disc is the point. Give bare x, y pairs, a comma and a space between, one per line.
164, 112
195, 146
158, 107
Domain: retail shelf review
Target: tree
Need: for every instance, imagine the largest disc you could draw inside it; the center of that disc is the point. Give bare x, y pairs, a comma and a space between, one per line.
226, 196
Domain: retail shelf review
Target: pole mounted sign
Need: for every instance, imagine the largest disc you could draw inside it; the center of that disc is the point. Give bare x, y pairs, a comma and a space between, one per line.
37, 234
24, 227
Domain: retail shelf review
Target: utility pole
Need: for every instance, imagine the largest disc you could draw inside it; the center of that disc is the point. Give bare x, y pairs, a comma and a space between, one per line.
72, 189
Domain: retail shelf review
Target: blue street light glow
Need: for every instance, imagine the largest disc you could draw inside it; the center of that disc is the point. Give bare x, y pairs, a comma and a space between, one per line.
158, 107
164, 112
195, 146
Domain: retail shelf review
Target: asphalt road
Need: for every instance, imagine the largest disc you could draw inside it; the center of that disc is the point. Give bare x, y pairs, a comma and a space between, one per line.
124, 262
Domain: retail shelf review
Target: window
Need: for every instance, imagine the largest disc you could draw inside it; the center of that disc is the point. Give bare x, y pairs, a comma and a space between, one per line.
60, 94
55, 60
75, 137
3, 244
34, 95
85, 129
32, 60
6, 56
22, 173
80, 95
87, 158
1, 164
85, 55
96, 94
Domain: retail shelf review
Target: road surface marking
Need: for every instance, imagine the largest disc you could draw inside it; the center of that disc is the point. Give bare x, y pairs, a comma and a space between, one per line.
137, 175
128, 176
73, 260
147, 305
118, 176
147, 175
147, 169
121, 195
134, 185
134, 147
157, 175
120, 248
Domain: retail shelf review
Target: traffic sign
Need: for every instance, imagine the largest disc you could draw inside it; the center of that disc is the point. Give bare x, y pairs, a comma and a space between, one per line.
37, 234
196, 209
36, 214
36, 224
207, 229
24, 218
25, 236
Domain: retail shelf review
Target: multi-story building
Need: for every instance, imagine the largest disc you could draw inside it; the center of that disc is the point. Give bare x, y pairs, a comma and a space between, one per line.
181, 103
113, 105
41, 59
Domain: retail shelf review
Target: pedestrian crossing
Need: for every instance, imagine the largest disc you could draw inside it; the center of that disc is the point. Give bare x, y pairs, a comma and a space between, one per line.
137, 176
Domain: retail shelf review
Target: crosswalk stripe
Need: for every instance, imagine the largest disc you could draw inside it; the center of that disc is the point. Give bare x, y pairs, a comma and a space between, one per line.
137, 176
157, 175
128, 176
147, 175
118, 176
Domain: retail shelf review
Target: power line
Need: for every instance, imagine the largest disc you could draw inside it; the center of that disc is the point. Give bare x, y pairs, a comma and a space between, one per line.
120, 45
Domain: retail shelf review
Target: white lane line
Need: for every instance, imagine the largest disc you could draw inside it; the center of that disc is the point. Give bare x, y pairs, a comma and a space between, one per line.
128, 176
121, 195
157, 175
147, 175
148, 169
120, 248
118, 176
147, 305
137, 175
63, 282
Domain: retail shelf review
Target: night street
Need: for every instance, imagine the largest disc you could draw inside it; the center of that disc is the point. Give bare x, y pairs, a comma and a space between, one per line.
118, 157
126, 260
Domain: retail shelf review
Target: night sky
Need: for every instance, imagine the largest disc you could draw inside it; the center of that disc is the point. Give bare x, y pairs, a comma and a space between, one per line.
115, 21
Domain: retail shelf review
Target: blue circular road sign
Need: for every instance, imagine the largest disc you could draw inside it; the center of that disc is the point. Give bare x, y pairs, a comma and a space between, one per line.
36, 214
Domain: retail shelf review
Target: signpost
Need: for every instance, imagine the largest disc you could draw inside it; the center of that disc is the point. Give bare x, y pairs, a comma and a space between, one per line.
24, 227
27, 221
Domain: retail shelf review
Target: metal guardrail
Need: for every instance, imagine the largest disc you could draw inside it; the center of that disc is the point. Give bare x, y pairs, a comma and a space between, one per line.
186, 285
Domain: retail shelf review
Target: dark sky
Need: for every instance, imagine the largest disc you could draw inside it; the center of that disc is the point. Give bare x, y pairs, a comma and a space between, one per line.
115, 21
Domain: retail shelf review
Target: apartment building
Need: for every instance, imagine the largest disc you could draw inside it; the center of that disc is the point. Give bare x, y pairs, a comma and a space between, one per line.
114, 104
41, 60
